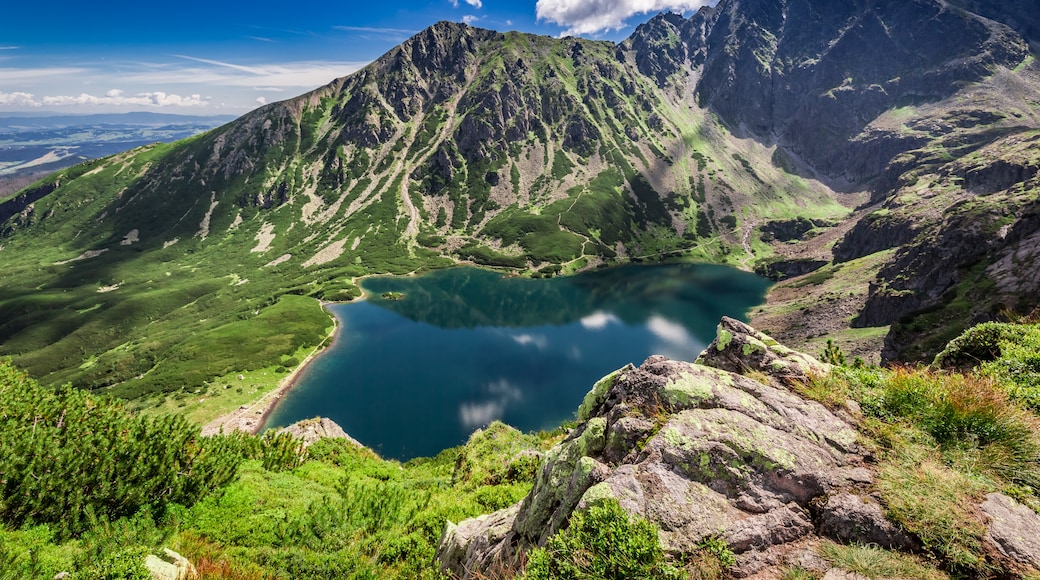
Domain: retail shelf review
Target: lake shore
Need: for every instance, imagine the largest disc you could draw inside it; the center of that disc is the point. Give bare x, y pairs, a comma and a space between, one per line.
252, 417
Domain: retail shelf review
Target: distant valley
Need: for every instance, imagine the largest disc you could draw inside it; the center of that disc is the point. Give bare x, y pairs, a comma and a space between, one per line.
34, 145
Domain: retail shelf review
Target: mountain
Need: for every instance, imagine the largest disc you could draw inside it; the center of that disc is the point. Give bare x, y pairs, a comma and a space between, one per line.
723, 137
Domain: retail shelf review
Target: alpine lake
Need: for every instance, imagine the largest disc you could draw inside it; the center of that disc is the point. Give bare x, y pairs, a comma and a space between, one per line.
424, 361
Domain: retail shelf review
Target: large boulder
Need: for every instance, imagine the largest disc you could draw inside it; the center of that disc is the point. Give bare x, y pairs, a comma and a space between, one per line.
1013, 530
700, 451
740, 348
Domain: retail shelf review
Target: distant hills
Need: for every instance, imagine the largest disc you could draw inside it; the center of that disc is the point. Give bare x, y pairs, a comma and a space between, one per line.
32, 144
884, 149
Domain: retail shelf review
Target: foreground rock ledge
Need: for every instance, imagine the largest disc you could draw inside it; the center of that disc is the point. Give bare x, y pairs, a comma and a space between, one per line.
700, 451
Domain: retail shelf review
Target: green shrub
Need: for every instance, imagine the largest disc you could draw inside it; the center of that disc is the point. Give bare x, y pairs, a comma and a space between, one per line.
604, 543
127, 564
1017, 368
277, 450
495, 455
70, 458
981, 343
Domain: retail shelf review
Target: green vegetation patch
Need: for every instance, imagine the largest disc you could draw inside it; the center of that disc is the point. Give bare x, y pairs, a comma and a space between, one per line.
71, 459
604, 542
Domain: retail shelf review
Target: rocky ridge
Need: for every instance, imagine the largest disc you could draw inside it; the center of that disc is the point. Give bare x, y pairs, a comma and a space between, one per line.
718, 448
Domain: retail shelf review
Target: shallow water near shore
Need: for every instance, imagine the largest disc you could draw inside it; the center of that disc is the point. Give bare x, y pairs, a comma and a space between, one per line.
416, 372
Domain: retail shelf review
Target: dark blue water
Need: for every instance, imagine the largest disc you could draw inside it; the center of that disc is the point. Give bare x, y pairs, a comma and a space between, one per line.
464, 347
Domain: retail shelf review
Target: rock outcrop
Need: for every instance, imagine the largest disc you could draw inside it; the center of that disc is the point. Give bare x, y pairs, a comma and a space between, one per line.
1013, 530
700, 451
311, 430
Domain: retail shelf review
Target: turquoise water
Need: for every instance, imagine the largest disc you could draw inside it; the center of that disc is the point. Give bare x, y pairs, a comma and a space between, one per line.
411, 377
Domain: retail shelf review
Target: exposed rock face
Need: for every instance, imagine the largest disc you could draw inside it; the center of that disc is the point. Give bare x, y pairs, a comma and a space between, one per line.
784, 269
977, 210
699, 451
311, 430
812, 74
738, 348
852, 518
1014, 529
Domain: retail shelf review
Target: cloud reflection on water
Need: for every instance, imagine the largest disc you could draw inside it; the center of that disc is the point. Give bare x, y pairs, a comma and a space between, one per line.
539, 341
599, 320
676, 340
474, 414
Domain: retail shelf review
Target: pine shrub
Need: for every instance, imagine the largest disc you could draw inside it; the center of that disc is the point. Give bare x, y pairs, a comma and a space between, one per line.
69, 458
603, 542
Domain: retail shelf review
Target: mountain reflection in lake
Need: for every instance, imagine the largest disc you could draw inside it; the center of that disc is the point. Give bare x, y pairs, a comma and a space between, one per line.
412, 375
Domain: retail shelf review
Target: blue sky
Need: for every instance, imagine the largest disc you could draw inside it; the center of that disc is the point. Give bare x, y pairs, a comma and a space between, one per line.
217, 57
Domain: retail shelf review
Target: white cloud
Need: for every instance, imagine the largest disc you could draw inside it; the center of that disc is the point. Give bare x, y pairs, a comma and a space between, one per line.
9, 47
375, 30
474, 3
17, 76
676, 342
112, 97
286, 75
667, 330
261, 101
470, 18
378, 33
598, 320
504, 389
18, 99
186, 82
591, 16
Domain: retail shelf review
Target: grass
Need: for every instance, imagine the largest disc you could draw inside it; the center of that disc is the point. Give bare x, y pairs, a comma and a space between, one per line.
934, 502
967, 418
343, 512
944, 440
873, 562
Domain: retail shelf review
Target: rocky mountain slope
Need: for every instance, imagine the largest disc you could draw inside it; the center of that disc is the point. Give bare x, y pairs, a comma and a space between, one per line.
690, 139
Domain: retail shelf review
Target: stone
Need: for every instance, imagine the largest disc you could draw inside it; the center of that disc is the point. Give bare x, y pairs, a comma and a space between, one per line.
1013, 530
170, 566
477, 545
739, 348
838, 574
847, 517
311, 430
